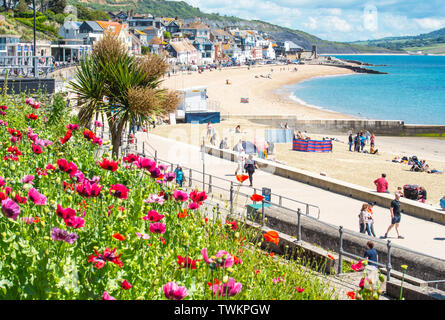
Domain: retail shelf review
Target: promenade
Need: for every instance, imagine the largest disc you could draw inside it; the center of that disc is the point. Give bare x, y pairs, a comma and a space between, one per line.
420, 235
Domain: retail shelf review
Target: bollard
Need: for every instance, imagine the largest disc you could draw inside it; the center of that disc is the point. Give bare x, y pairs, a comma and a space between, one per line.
340, 252
262, 212
299, 225
231, 197
388, 264
190, 177
210, 183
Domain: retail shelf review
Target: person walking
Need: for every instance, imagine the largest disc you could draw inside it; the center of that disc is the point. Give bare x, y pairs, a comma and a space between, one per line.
372, 139
363, 217
250, 168
241, 157
362, 141
351, 141
395, 217
357, 142
381, 184
179, 175
371, 253
371, 218
209, 129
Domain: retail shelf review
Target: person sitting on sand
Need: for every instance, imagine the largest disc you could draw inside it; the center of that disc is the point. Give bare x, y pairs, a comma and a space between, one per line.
382, 184
435, 171
442, 203
299, 135
400, 191
422, 195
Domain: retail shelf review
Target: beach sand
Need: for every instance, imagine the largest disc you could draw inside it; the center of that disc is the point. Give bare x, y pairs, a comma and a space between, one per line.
358, 168
262, 92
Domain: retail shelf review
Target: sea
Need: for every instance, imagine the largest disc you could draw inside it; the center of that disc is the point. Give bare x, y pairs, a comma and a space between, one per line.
412, 91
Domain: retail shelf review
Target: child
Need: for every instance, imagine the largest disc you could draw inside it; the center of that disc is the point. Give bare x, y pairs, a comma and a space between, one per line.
179, 175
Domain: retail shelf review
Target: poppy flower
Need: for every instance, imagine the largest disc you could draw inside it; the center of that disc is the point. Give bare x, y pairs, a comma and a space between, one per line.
186, 262
198, 197
193, 206
126, 285
89, 135
97, 140
36, 149
230, 288
331, 257
180, 195
242, 177
174, 292
10, 209
65, 213
73, 127
358, 266
87, 189
75, 222
61, 235
120, 191
237, 260
99, 259
256, 197
67, 136
36, 197
272, 236
32, 116
351, 294
106, 296
153, 216
182, 214
299, 289
226, 258
157, 227
233, 224
19, 199
130, 158
119, 237
144, 163
108, 165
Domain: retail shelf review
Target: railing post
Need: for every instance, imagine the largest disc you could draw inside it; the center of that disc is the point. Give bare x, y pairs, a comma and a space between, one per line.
190, 177
280, 201
262, 212
340, 252
156, 156
388, 263
231, 197
254, 190
307, 209
299, 225
210, 183
143, 149
171, 167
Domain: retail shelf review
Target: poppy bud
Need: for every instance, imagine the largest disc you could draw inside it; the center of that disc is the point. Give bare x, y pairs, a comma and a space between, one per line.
225, 279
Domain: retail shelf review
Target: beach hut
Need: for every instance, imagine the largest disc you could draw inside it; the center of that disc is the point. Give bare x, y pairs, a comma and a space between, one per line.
249, 147
312, 145
193, 106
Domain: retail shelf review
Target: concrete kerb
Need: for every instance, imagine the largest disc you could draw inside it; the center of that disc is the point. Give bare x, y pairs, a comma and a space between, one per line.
409, 207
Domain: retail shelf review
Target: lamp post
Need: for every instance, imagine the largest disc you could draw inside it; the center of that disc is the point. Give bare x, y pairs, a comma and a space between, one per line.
34, 51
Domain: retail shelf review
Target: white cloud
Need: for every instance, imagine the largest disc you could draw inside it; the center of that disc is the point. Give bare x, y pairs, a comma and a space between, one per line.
430, 23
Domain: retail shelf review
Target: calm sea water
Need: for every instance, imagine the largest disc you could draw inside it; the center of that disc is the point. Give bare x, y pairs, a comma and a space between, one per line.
413, 91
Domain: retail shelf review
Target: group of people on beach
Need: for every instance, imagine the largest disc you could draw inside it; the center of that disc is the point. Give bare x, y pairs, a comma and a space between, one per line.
360, 140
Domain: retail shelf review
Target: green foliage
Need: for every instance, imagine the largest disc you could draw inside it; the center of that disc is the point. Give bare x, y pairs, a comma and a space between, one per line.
58, 110
22, 6
84, 13
60, 17
167, 35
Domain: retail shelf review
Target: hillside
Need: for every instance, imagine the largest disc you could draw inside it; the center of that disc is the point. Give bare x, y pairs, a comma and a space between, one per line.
184, 11
433, 42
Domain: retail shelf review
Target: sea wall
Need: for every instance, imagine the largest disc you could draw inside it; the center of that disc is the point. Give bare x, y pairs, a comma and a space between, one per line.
28, 85
341, 126
327, 237
413, 208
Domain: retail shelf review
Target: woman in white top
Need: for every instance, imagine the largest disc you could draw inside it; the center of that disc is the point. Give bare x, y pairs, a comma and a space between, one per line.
363, 218
240, 159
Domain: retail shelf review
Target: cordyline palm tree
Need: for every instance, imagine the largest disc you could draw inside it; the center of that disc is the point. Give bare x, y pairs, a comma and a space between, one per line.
124, 88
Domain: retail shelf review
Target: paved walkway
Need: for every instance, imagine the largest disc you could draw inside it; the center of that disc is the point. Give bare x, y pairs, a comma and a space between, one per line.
420, 235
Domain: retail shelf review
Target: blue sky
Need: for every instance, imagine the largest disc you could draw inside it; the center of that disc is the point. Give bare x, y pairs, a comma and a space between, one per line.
338, 20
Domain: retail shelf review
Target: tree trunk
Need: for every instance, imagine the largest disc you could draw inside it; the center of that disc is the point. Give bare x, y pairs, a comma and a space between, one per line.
116, 135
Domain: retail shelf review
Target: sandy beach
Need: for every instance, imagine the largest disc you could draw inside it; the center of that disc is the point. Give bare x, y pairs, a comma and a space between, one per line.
358, 168
262, 92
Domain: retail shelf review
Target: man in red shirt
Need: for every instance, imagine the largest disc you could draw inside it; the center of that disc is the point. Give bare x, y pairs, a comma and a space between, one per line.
382, 184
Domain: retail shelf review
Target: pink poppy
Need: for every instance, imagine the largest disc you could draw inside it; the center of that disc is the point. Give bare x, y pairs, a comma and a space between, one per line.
358, 266
230, 289
10, 209
174, 292
106, 296
180, 195
157, 227
153, 216
226, 259
36, 197
120, 191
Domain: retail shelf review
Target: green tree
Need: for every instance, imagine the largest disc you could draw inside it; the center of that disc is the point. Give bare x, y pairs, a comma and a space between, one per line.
128, 84
22, 6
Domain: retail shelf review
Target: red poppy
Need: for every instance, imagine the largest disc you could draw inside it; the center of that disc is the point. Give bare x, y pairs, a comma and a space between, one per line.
257, 271
237, 260
182, 214
89, 135
272, 236
216, 281
186, 262
331, 257
100, 259
205, 220
233, 224
32, 116
118, 236
109, 165
351, 294
119, 191
299, 289
198, 197
67, 136
256, 197
162, 241
242, 177
126, 285
14, 150
36, 149
358, 266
